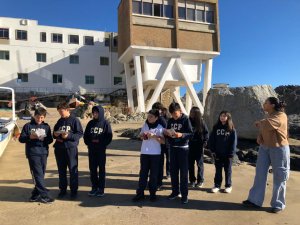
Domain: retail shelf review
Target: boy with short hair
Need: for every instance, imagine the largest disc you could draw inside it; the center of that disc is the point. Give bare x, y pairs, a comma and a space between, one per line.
67, 132
37, 136
179, 130
97, 136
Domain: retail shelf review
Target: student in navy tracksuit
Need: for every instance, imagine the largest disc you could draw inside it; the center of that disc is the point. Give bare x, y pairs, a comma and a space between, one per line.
97, 136
67, 132
222, 143
37, 136
197, 142
164, 148
179, 130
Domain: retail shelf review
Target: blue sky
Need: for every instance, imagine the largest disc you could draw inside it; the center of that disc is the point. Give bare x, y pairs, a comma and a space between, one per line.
260, 39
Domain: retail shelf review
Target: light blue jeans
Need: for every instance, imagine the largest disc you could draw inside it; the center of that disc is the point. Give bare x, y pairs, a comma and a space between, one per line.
279, 159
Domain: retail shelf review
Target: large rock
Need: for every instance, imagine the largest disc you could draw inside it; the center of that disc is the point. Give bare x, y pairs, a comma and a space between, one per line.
291, 95
244, 103
294, 125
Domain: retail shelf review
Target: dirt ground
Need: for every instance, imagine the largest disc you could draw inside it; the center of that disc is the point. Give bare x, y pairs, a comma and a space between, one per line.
116, 206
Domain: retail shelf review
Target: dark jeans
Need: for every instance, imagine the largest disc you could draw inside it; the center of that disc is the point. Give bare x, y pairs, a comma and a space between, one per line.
179, 163
165, 150
67, 158
149, 163
37, 165
198, 158
220, 163
97, 160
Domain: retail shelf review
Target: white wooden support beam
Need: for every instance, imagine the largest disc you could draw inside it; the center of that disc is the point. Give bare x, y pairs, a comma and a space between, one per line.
139, 83
147, 92
207, 78
176, 95
160, 84
190, 87
129, 86
188, 102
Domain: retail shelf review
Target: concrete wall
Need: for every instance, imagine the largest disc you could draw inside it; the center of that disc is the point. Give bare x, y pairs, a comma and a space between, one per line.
23, 60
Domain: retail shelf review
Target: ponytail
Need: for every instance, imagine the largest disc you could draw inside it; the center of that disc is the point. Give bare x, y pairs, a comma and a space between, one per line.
278, 105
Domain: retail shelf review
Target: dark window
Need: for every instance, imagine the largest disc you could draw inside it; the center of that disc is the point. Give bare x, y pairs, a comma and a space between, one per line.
209, 16
57, 78
57, 38
4, 55
106, 42
104, 61
147, 8
168, 11
117, 80
158, 10
22, 77
43, 37
4, 33
190, 14
115, 41
181, 13
21, 35
137, 7
89, 79
89, 40
73, 39
200, 15
41, 57
74, 59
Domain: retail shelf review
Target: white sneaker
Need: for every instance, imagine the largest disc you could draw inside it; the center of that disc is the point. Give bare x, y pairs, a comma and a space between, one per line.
215, 189
228, 190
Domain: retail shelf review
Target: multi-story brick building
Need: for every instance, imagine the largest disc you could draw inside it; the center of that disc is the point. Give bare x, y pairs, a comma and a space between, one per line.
165, 44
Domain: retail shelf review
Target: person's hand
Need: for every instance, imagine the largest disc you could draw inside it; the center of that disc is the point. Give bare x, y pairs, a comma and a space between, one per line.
259, 140
150, 135
167, 132
178, 135
33, 136
257, 124
64, 135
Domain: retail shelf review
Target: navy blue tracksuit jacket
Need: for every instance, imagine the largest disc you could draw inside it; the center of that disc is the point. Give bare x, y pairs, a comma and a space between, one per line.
97, 136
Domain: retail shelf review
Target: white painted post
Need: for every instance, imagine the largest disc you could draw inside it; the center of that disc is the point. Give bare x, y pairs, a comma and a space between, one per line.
147, 91
139, 83
129, 86
176, 94
188, 102
207, 78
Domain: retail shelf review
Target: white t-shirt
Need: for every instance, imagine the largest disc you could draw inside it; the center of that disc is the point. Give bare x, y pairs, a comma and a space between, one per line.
151, 146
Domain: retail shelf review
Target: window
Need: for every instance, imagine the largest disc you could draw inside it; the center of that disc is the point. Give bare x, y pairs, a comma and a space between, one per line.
168, 11
4, 55
22, 77
89, 40
104, 61
181, 13
41, 57
137, 7
117, 80
157, 10
106, 42
43, 37
196, 11
89, 79
57, 38
147, 8
74, 59
200, 15
21, 35
73, 39
57, 78
209, 16
190, 14
4, 33
115, 41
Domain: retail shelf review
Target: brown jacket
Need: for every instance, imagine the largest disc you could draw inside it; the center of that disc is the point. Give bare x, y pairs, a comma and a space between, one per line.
274, 130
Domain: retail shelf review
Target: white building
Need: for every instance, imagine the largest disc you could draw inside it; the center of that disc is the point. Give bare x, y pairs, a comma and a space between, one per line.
57, 60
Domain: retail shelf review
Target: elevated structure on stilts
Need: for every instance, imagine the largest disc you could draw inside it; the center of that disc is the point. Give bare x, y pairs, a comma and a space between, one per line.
167, 44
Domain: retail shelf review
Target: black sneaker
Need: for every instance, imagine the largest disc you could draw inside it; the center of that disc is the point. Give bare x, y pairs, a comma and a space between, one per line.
172, 196
250, 204
138, 197
47, 199
199, 184
34, 197
93, 192
184, 200
153, 198
100, 193
62, 194
73, 195
192, 184
276, 210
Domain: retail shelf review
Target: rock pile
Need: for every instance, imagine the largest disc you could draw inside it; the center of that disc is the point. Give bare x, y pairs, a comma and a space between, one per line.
291, 96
